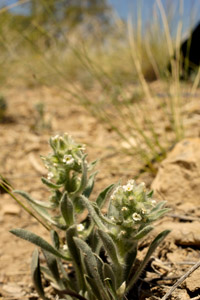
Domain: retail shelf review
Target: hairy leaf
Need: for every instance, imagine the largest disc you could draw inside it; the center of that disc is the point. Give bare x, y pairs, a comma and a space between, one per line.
50, 184
93, 213
53, 267
109, 274
34, 201
67, 209
129, 261
144, 231
91, 265
55, 239
36, 274
103, 195
94, 287
109, 246
88, 190
37, 240
75, 254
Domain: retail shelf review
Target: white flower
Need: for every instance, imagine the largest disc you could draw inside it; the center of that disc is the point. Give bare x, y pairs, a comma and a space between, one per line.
124, 208
143, 211
80, 227
68, 159
55, 137
153, 202
112, 219
50, 175
136, 217
128, 187
65, 248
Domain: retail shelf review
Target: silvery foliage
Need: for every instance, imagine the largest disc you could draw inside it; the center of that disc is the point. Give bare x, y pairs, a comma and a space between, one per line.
102, 248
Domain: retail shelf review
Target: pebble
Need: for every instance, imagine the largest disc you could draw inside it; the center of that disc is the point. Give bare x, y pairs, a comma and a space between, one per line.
10, 209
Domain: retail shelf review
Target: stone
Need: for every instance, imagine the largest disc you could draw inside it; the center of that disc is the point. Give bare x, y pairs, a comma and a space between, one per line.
193, 281
178, 179
10, 209
183, 234
13, 289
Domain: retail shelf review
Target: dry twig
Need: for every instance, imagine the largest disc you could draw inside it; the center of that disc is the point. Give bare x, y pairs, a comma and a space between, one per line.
187, 274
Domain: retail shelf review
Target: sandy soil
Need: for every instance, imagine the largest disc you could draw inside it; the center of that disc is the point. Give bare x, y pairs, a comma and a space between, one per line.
21, 147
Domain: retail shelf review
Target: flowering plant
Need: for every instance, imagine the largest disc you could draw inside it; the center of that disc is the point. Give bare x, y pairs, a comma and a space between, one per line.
102, 248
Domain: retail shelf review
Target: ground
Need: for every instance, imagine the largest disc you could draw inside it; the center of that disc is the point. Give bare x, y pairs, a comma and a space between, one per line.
22, 142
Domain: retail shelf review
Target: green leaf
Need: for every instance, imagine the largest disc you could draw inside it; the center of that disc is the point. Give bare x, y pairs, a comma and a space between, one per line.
53, 267
160, 237
129, 262
112, 253
158, 214
37, 240
109, 246
67, 209
45, 215
50, 184
88, 190
109, 274
75, 254
103, 195
31, 200
93, 239
101, 216
55, 239
100, 264
150, 194
92, 164
158, 206
36, 274
89, 258
92, 285
112, 292
144, 231
47, 273
91, 266
92, 212
83, 179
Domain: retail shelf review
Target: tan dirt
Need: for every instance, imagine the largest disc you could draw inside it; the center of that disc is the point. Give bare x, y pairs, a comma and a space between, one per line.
21, 146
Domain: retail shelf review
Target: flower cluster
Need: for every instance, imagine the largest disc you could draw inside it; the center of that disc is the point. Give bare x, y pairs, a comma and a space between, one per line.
67, 156
133, 206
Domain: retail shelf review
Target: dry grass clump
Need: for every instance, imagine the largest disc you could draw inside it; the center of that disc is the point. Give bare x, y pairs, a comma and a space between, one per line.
108, 70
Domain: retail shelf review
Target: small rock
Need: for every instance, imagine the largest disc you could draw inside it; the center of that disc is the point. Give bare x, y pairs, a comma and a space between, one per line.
185, 234
10, 209
178, 179
193, 281
180, 294
13, 288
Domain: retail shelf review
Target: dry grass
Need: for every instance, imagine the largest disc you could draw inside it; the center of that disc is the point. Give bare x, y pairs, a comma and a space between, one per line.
108, 73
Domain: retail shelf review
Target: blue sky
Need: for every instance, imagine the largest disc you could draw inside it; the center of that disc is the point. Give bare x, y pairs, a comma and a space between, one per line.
190, 15
124, 8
